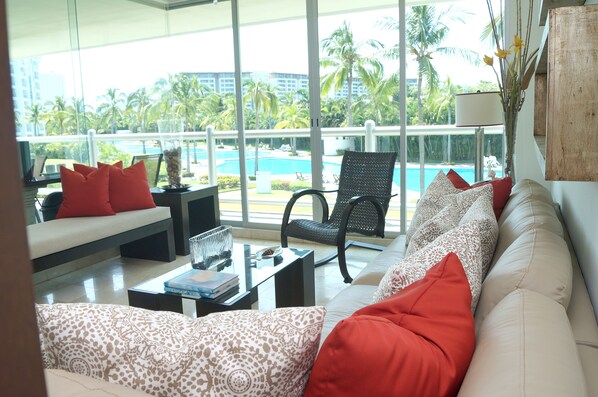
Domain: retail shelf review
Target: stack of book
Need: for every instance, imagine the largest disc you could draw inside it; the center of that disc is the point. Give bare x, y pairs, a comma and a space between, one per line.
204, 283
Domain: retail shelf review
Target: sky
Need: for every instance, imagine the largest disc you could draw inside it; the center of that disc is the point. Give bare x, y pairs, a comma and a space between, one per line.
275, 47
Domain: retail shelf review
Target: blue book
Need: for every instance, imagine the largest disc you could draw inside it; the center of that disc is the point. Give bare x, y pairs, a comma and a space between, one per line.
206, 281
193, 294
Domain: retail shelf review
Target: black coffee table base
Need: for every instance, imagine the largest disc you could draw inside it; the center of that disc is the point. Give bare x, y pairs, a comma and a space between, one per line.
174, 303
294, 285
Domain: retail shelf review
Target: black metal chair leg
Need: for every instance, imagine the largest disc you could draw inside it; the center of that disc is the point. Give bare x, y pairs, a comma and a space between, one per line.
342, 264
325, 260
284, 241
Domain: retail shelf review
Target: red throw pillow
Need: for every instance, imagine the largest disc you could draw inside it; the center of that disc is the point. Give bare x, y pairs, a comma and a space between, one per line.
502, 189
129, 189
418, 342
457, 180
86, 169
84, 195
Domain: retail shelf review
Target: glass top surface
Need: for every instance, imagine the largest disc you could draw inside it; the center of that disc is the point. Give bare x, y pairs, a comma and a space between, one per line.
244, 262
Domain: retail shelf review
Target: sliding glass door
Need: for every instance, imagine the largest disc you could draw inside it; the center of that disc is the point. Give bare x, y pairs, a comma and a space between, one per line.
265, 96
274, 66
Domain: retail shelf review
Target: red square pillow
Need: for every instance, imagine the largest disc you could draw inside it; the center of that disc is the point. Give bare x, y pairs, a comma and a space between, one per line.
418, 342
502, 189
86, 169
457, 180
129, 189
84, 195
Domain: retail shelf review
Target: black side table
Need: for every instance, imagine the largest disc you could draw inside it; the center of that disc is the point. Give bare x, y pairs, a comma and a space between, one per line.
193, 212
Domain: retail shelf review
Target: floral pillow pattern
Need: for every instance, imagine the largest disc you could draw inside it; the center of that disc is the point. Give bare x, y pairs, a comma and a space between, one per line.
464, 240
447, 218
438, 195
482, 211
435, 198
241, 353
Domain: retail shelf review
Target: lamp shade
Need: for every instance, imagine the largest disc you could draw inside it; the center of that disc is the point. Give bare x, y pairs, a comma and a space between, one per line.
478, 109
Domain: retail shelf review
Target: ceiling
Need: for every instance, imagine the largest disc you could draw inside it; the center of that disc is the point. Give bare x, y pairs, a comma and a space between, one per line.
38, 27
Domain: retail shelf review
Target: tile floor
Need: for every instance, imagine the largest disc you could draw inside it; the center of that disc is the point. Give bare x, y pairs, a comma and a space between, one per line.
107, 281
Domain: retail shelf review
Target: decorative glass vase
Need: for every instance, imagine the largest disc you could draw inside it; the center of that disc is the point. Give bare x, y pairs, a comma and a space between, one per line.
171, 143
510, 135
211, 248
172, 158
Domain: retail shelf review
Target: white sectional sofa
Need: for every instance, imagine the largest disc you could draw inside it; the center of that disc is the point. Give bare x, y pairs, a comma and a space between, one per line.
536, 333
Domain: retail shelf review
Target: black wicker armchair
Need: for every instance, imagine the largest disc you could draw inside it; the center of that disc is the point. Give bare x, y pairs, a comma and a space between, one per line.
363, 194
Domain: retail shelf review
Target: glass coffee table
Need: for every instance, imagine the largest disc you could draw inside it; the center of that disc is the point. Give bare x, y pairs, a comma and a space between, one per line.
293, 272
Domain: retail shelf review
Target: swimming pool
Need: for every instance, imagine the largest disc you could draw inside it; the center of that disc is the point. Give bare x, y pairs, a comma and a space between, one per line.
199, 151
288, 166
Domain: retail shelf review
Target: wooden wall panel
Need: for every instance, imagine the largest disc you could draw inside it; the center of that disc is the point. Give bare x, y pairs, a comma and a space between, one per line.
540, 105
21, 372
572, 111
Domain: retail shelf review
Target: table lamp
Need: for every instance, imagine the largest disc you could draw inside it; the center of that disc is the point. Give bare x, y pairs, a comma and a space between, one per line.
478, 109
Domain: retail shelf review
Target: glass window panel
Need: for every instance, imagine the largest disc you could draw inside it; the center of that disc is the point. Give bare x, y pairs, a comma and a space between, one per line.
276, 110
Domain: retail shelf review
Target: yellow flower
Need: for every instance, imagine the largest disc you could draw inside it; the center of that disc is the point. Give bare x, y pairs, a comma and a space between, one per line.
502, 54
488, 60
517, 44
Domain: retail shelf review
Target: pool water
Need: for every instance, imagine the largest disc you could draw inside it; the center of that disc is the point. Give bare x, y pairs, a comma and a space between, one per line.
284, 166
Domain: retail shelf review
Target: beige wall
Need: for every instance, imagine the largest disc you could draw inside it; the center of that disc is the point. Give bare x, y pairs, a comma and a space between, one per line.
577, 199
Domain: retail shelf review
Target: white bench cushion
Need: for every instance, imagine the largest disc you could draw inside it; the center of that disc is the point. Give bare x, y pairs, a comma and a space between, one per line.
60, 383
60, 234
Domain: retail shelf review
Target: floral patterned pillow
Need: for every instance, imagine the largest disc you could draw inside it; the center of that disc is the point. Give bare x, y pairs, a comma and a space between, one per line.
447, 218
435, 198
241, 353
464, 240
482, 211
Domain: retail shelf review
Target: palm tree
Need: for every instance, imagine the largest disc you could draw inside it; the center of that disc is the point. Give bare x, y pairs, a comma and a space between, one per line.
34, 113
443, 102
344, 61
112, 109
76, 116
426, 31
487, 34
163, 108
139, 103
294, 115
263, 98
381, 93
186, 95
218, 110
55, 117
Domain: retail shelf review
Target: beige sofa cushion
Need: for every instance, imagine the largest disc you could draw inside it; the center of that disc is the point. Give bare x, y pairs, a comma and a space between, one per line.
525, 347
242, 352
526, 216
344, 304
60, 234
539, 261
528, 187
60, 383
375, 269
